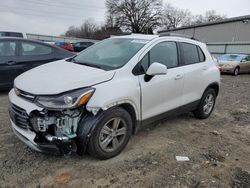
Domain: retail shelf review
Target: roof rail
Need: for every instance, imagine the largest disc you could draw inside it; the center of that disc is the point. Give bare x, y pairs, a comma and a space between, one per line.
176, 35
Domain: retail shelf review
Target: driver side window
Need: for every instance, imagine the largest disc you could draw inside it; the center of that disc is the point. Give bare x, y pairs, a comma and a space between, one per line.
164, 53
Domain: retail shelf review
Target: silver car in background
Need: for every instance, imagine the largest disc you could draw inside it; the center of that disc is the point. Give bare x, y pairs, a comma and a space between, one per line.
234, 63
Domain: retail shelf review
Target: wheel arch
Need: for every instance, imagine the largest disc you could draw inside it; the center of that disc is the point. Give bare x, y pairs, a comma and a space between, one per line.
130, 107
215, 86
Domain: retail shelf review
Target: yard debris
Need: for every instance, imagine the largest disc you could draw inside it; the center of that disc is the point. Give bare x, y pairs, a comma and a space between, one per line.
154, 162
63, 178
182, 158
215, 133
206, 162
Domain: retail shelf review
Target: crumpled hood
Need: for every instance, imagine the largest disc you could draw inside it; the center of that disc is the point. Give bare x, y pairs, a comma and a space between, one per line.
60, 76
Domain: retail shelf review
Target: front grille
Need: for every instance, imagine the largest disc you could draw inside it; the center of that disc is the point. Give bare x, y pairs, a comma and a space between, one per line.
19, 116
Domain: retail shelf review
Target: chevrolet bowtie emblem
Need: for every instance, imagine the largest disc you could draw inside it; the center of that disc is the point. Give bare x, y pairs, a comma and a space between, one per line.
17, 91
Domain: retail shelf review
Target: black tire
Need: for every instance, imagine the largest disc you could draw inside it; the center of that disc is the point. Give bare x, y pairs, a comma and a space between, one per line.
200, 112
236, 71
94, 145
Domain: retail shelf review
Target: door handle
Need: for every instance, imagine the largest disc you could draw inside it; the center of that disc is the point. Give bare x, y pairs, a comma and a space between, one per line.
11, 62
204, 67
178, 77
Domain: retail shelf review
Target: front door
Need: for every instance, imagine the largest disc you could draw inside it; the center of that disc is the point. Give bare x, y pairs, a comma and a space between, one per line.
163, 92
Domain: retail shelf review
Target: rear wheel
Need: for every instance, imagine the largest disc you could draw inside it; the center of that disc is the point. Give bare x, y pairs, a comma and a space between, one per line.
236, 71
111, 135
206, 104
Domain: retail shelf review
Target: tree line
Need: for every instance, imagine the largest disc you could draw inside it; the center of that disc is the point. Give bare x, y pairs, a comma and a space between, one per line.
139, 16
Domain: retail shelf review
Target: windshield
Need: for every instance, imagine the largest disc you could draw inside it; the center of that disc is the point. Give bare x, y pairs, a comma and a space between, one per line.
231, 57
111, 53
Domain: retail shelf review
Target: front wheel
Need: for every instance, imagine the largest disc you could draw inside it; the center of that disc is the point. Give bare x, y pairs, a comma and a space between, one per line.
206, 104
111, 135
236, 71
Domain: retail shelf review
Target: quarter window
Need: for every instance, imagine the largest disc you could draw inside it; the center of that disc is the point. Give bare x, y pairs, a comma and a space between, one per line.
201, 54
7, 48
29, 48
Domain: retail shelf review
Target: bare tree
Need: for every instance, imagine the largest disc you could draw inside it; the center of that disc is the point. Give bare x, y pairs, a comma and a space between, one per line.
173, 17
209, 16
90, 30
137, 16
86, 30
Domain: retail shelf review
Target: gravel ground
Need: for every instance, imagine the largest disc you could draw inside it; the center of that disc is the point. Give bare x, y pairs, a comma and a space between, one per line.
218, 148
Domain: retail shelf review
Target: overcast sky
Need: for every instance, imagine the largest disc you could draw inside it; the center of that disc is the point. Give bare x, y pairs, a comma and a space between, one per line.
53, 17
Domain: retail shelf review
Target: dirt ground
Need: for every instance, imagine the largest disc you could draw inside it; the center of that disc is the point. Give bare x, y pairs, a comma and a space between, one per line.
218, 148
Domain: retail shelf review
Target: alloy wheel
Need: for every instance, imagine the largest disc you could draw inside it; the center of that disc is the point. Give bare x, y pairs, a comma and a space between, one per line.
112, 134
208, 104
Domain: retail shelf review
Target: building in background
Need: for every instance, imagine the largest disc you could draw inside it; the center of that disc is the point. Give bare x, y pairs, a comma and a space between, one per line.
230, 35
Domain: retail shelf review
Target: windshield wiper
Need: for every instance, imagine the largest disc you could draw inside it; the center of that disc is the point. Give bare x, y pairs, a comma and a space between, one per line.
86, 64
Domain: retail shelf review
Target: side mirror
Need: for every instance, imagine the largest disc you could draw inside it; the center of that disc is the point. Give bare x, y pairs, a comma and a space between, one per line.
243, 60
156, 69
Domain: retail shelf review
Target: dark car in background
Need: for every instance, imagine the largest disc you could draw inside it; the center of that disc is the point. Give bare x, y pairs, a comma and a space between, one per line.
65, 45
18, 55
79, 46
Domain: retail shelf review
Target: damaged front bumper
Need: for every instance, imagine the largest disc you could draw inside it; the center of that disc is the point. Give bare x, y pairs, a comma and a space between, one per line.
43, 130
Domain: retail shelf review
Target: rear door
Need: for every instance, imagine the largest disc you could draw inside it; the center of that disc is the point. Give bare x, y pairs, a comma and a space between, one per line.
9, 67
34, 54
195, 68
163, 92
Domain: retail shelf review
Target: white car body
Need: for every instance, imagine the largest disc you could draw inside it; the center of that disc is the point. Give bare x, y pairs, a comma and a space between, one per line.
179, 87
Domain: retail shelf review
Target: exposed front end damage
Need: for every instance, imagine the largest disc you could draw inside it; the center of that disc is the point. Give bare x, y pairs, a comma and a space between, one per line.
50, 131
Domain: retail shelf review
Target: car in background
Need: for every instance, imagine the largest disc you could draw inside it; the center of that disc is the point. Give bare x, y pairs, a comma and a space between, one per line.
18, 55
12, 34
79, 46
234, 63
65, 45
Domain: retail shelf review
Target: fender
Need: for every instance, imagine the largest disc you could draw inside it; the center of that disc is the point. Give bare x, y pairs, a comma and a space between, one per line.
122, 101
214, 85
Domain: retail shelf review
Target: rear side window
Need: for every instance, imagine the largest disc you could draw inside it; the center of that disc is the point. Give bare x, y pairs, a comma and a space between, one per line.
7, 48
190, 53
29, 48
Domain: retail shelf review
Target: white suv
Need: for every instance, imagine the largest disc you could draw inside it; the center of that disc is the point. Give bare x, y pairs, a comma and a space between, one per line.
94, 101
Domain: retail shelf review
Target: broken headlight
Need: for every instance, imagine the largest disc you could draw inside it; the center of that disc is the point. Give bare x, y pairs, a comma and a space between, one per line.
68, 100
